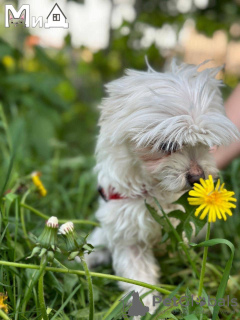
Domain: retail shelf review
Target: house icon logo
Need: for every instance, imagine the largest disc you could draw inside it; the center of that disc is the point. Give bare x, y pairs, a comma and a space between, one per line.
56, 18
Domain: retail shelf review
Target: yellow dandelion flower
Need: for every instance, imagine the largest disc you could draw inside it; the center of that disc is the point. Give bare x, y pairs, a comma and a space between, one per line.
8, 62
38, 183
3, 305
214, 201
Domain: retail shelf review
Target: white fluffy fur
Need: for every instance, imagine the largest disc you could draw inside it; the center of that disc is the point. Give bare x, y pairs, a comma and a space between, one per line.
143, 110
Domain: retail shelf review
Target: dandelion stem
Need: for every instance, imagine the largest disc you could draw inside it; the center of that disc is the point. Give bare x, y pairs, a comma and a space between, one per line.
41, 290
205, 252
81, 273
90, 288
37, 212
44, 216
3, 315
22, 217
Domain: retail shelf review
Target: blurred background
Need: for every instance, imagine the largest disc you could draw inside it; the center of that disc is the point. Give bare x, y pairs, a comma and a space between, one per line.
52, 80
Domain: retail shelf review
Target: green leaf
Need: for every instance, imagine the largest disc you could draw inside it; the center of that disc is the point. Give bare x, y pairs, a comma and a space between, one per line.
88, 247
184, 202
33, 277
172, 294
13, 146
192, 307
188, 229
167, 312
178, 214
165, 237
69, 282
199, 224
190, 317
226, 273
189, 215
160, 220
10, 198
3, 234
66, 302
206, 297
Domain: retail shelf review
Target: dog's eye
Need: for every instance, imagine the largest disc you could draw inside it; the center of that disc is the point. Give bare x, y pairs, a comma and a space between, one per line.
169, 147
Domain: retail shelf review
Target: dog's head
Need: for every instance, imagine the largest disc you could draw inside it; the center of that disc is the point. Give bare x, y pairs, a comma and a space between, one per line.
169, 123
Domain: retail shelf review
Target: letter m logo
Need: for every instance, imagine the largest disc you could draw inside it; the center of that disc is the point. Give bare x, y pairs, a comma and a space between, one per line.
16, 14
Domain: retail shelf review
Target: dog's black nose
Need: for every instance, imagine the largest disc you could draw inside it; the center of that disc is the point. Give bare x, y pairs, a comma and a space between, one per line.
194, 178
195, 173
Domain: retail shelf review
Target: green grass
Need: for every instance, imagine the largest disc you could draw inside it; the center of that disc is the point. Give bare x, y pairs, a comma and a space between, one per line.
72, 196
48, 124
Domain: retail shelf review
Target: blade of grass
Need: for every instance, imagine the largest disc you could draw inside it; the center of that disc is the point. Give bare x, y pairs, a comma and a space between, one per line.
156, 217
28, 291
10, 166
66, 302
172, 294
15, 244
117, 306
22, 217
226, 273
13, 148
46, 217
190, 317
5, 126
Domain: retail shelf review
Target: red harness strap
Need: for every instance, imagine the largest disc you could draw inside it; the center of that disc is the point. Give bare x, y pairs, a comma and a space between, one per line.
112, 195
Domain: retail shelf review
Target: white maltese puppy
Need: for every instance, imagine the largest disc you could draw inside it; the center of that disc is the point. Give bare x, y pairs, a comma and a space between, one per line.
156, 130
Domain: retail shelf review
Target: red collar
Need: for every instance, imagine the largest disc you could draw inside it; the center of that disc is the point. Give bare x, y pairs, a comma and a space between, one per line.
112, 195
